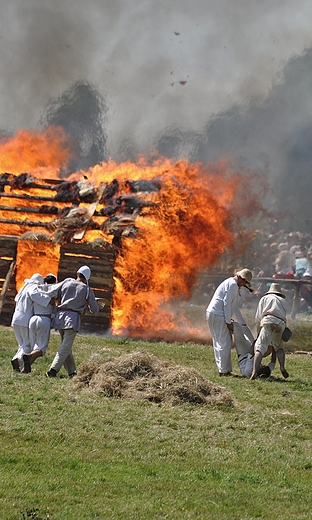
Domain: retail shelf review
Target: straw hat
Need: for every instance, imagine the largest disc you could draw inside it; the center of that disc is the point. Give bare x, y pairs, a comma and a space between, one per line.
245, 273
275, 288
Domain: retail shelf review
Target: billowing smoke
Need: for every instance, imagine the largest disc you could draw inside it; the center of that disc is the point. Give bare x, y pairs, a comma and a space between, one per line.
202, 80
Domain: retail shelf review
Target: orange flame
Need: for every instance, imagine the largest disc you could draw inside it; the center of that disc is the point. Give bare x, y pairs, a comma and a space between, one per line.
37, 152
185, 229
39, 257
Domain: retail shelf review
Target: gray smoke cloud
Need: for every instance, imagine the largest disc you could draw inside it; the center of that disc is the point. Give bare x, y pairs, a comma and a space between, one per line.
199, 79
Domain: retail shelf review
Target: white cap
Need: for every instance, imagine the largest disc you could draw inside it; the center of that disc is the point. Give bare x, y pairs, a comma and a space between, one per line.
85, 271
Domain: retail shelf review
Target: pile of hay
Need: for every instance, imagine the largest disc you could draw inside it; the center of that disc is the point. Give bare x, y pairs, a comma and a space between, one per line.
140, 375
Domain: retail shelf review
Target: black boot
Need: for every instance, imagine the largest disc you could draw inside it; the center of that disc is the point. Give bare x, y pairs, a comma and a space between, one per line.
27, 367
15, 364
51, 373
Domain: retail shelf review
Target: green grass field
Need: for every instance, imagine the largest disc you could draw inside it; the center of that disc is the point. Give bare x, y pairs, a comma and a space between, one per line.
78, 455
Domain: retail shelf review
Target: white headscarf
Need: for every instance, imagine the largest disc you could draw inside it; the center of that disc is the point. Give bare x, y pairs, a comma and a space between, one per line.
35, 279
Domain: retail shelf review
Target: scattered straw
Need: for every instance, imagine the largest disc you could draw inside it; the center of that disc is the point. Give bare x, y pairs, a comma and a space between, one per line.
140, 375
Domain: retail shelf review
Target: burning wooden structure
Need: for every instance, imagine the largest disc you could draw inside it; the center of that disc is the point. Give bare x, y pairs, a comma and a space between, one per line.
56, 226
146, 229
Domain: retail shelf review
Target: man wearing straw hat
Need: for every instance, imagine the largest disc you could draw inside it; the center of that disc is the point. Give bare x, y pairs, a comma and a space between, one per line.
271, 321
224, 304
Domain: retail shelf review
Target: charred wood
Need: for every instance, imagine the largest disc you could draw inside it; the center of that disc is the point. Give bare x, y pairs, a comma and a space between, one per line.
109, 192
27, 223
142, 185
67, 192
80, 191
41, 209
6, 284
131, 202
108, 211
27, 197
24, 180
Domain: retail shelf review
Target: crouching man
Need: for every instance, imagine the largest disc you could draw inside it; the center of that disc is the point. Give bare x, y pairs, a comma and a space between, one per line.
271, 321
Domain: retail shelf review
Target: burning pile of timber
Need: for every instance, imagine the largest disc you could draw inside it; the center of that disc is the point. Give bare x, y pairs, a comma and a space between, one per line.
111, 208
182, 215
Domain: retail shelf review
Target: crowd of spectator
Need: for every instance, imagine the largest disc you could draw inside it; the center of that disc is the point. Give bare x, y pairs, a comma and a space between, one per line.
283, 255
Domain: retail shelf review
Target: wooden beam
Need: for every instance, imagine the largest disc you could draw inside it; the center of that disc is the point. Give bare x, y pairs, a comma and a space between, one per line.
24, 222
6, 284
27, 197
91, 209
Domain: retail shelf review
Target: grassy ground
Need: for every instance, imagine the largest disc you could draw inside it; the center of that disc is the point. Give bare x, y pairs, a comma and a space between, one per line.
76, 455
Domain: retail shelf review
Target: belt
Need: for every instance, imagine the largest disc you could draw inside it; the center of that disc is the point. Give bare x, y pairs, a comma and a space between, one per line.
68, 309
242, 359
275, 316
44, 315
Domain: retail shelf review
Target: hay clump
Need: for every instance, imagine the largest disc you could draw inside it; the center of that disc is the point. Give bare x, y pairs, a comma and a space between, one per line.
141, 375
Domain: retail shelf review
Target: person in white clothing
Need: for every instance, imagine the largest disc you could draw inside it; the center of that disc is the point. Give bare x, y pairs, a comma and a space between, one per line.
223, 306
73, 296
244, 345
271, 322
40, 328
306, 288
24, 310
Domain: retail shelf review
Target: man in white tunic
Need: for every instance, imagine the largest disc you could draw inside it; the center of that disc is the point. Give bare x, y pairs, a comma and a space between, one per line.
223, 306
73, 295
40, 328
25, 299
271, 321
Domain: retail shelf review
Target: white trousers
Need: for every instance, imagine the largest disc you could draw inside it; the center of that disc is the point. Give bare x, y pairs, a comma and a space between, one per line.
245, 363
39, 333
221, 341
270, 334
243, 338
64, 356
22, 337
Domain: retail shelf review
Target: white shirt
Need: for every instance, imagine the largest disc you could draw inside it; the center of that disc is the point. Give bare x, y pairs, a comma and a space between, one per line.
26, 298
73, 297
270, 303
226, 301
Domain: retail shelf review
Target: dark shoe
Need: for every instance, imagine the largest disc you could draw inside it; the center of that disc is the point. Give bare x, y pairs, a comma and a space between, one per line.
15, 364
51, 373
264, 372
73, 374
27, 367
225, 374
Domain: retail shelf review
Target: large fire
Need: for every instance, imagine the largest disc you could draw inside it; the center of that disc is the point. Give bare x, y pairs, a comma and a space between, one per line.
184, 225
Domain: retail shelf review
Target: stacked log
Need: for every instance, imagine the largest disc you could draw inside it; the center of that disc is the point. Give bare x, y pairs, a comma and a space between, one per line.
98, 255
113, 207
8, 248
61, 212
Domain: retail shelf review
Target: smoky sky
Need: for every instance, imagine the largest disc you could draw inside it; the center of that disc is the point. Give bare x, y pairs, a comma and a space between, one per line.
202, 79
